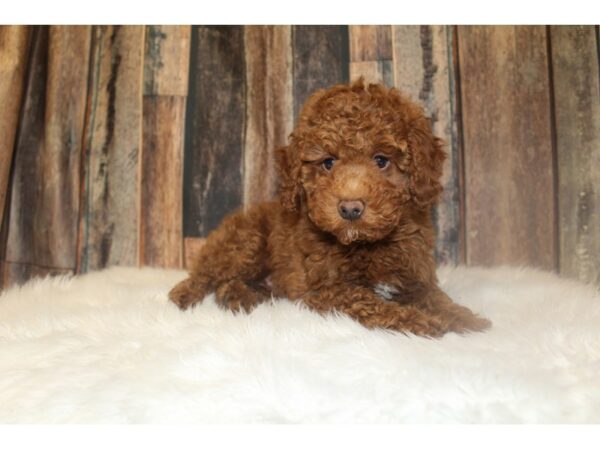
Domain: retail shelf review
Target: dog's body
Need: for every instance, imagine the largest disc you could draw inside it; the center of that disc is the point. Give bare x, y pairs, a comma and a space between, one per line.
352, 231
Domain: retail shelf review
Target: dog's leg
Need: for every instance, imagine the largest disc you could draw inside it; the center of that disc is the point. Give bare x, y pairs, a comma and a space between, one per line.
232, 256
460, 319
238, 295
370, 310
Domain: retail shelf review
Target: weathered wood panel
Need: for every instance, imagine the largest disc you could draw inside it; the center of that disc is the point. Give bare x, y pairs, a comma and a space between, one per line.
166, 62
191, 247
214, 128
424, 70
109, 219
19, 273
370, 42
577, 111
26, 170
321, 59
14, 42
166, 68
269, 105
508, 145
161, 237
371, 53
45, 188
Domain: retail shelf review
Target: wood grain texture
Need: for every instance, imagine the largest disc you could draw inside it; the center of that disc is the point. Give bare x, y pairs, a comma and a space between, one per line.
109, 219
16, 274
371, 53
30, 136
370, 42
161, 234
191, 247
508, 145
14, 42
424, 70
577, 111
269, 106
45, 190
321, 59
214, 128
166, 62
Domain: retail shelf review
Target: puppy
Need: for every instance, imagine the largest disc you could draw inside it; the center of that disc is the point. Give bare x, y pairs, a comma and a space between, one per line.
351, 230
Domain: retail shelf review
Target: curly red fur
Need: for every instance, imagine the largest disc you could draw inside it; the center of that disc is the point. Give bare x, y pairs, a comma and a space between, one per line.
352, 143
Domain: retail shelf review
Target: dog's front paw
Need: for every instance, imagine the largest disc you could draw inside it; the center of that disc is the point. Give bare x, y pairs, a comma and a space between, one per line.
187, 293
465, 323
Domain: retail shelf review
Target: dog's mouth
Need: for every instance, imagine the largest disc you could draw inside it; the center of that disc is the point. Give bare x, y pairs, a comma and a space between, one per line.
349, 235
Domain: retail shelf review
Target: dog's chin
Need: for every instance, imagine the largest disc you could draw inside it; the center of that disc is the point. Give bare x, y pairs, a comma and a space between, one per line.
354, 234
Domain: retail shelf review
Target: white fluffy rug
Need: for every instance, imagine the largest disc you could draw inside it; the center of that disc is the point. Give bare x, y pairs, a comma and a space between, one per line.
109, 347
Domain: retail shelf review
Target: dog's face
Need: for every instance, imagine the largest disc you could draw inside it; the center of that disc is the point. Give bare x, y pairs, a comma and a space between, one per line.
358, 160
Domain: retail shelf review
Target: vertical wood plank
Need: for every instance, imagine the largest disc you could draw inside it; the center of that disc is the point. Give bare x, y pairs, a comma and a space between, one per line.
20, 273
214, 127
14, 42
161, 238
45, 190
191, 247
166, 68
508, 145
321, 59
166, 62
269, 106
371, 53
109, 219
424, 70
577, 114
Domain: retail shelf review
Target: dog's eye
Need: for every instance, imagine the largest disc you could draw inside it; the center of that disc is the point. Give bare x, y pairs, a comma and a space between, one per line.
328, 163
381, 161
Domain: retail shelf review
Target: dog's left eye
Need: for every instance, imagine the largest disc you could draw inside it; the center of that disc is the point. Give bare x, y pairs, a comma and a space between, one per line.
381, 161
328, 163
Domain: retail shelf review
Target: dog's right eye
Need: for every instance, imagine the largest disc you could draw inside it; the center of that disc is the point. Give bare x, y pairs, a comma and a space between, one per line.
328, 164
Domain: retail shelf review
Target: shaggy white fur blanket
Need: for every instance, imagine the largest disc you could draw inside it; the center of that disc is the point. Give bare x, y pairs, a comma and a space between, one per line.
109, 347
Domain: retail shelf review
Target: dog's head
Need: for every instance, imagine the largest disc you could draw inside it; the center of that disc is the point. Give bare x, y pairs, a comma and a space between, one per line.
359, 158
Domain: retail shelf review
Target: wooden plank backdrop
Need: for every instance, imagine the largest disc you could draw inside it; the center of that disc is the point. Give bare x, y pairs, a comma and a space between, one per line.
577, 106
14, 42
506, 116
166, 68
43, 215
113, 139
135, 156
431, 81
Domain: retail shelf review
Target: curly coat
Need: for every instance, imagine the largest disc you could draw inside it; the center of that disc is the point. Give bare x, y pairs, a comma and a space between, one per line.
352, 230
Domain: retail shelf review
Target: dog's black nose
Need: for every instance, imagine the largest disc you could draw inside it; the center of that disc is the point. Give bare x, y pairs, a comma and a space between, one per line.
351, 209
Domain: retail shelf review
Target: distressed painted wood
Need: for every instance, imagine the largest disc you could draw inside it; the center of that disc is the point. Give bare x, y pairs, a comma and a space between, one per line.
577, 111
45, 190
370, 42
161, 234
166, 61
20, 222
320, 59
371, 53
191, 247
14, 42
508, 145
109, 219
166, 69
269, 106
215, 128
19, 273
424, 70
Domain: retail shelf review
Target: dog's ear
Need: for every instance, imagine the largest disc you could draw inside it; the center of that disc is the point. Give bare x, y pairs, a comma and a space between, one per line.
288, 168
427, 159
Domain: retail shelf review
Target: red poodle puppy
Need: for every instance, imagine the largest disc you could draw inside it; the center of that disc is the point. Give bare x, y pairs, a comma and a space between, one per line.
352, 229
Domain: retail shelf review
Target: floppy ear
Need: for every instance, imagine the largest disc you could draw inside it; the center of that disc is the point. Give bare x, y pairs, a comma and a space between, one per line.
427, 158
288, 168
